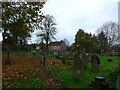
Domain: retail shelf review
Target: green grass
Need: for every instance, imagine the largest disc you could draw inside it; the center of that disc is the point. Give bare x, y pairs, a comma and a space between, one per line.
64, 73
105, 64
19, 53
70, 57
51, 55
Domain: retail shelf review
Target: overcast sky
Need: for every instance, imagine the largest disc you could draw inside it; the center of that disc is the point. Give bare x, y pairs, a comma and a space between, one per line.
71, 15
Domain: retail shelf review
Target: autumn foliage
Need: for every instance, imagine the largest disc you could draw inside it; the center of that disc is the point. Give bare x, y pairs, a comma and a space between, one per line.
25, 68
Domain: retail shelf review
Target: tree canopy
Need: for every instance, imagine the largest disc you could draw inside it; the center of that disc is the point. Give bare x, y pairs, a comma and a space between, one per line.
19, 19
102, 42
84, 42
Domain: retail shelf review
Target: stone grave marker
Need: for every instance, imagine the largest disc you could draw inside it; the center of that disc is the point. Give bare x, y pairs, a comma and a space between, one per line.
41, 59
109, 60
8, 60
95, 63
34, 52
85, 61
118, 83
78, 68
64, 60
54, 63
99, 82
44, 60
68, 62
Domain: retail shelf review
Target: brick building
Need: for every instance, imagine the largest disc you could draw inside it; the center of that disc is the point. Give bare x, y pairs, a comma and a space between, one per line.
57, 47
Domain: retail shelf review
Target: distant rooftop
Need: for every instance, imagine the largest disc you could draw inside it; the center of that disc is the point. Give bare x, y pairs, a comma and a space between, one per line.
57, 43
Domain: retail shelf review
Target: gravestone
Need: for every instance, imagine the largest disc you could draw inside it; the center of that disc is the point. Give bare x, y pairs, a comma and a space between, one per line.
69, 63
44, 60
109, 60
56, 56
99, 82
118, 83
85, 61
95, 63
54, 63
64, 60
78, 68
8, 61
33, 54
41, 60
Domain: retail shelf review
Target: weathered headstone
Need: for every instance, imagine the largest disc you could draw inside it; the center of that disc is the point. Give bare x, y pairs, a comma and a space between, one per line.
118, 83
44, 60
78, 68
41, 60
33, 54
8, 61
69, 63
95, 63
99, 83
56, 56
64, 60
54, 63
85, 61
109, 60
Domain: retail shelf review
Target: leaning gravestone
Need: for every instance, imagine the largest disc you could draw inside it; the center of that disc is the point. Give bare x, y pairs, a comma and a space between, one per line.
85, 61
118, 83
78, 68
95, 63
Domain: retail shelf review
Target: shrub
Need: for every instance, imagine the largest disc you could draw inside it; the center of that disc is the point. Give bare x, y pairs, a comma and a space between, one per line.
112, 75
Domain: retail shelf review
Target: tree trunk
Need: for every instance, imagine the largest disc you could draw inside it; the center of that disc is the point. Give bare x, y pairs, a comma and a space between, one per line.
47, 43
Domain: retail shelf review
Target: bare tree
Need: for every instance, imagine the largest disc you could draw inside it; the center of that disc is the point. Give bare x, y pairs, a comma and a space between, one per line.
66, 42
110, 30
49, 31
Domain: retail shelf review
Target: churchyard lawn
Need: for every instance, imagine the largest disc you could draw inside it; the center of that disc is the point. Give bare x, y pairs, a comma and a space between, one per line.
64, 73
23, 72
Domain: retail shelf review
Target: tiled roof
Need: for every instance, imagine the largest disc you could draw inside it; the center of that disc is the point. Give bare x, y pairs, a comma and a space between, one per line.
57, 43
